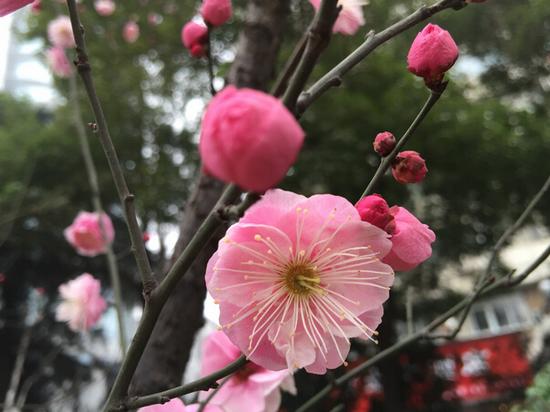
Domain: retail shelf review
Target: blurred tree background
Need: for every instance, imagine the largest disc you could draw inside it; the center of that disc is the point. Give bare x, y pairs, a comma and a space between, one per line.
486, 144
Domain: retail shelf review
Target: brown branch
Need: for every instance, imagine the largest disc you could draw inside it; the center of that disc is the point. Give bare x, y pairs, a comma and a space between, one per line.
126, 198
334, 76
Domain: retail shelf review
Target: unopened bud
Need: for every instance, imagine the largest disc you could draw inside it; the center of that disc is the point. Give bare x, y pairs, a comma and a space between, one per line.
409, 167
384, 143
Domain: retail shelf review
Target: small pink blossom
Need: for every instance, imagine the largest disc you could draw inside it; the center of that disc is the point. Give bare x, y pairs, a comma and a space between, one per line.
252, 388
60, 32
82, 304
9, 6
194, 37
104, 7
216, 12
58, 62
411, 241
350, 18
130, 32
432, 53
384, 143
154, 19
297, 277
87, 236
174, 405
249, 138
409, 167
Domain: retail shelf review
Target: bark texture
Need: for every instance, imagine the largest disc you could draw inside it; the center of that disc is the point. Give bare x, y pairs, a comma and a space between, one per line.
167, 353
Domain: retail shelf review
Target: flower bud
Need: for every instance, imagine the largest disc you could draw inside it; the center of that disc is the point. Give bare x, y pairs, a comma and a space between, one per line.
130, 32
384, 143
216, 12
432, 53
104, 7
409, 167
194, 37
374, 210
249, 138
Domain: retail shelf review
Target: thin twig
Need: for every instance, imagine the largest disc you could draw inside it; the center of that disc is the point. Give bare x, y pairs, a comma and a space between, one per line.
422, 333
371, 43
126, 198
318, 37
17, 372
112, 265
205, 383
205, 402
210, 60
282, 80
385, 162
160, 295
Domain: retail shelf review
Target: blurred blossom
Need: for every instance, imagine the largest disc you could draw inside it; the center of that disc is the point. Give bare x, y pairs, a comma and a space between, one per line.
36, 6
249, 138
60, 32
216, 12
194, 37
350, 18
58, 62
105, 7
88, 236
297, 277
252, 388
82, 304
130, 32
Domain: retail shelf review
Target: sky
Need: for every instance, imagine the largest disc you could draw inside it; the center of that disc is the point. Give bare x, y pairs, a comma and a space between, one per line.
5, 24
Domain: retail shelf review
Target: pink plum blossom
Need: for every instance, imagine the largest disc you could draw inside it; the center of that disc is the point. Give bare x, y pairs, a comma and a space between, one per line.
60, 32
82, 304
432, 53
130, 32
409, 167
384, 143
216, 12
350, 18
174, 405
252, 388
104, 7
194, 37
88, 236
249, 138
58, 62
297, 277
36, 6
9, 6
411, 239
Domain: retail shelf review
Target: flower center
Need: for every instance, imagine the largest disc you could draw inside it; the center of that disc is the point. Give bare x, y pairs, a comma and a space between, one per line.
302, 279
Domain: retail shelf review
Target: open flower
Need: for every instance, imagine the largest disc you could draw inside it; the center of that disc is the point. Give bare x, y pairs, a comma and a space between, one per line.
88, 236
252, 388
82, 303
350, 18
249, 138
411, 239
60, 32
58, 62
9, 6
297, 277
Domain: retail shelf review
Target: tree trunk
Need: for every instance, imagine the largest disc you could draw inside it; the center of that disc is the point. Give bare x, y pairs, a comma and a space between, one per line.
167, 353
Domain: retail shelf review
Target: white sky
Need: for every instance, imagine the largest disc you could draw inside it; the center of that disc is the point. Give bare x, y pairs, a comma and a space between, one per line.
5, 24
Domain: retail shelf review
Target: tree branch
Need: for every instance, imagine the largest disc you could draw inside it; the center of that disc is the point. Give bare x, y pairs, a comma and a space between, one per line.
385, 162
334, 76
205, 383
93, 181
126, 198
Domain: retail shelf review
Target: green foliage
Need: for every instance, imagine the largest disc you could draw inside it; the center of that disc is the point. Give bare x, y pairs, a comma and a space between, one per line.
538, 394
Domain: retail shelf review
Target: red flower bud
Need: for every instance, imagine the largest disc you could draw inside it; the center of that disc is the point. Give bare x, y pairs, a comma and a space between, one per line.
409, 167
216, 12
194, 38
375, 210
432, 53
384, 143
